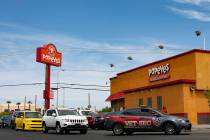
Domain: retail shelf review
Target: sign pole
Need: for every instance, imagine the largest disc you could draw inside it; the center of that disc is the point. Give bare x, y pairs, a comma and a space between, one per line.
47, 87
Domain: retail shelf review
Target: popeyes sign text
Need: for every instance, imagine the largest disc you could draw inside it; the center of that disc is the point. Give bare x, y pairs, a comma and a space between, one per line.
159, 73
48, 54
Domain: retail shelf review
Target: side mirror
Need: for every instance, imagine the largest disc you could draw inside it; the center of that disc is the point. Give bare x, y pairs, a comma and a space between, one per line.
54, 115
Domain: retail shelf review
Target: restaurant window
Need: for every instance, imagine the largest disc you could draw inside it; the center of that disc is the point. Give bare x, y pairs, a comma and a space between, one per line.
149, 102
141, 102
159, 102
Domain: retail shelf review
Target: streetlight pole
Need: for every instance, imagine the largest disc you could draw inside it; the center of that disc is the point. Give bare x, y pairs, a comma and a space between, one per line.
161, 47
204, 42
199, 33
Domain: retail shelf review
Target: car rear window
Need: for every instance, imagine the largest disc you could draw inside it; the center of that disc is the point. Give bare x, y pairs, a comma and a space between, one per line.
32, 115
67, 112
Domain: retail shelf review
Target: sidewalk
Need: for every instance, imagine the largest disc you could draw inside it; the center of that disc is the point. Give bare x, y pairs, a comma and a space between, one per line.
201, 129
204, 126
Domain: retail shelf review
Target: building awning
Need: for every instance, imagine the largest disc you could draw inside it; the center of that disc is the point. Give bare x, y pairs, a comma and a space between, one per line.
115, 96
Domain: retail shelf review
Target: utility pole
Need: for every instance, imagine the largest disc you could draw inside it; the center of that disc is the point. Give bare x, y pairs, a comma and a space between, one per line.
89, 106
25, 103
63, 97
35, 101
57, 86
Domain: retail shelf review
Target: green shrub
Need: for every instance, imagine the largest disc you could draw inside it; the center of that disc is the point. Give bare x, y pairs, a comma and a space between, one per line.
4, 114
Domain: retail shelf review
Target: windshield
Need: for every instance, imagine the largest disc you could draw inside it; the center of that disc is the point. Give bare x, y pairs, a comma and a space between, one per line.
32, 115
87, 113
67, 112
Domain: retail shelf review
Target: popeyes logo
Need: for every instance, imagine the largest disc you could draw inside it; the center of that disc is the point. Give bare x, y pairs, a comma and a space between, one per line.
159, 73
48, 54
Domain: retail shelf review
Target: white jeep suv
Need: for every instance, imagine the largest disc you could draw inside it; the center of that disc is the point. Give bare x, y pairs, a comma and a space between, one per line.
64, 120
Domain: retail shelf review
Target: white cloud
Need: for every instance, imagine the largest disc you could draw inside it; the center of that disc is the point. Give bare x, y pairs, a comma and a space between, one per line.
194, 2
191, 14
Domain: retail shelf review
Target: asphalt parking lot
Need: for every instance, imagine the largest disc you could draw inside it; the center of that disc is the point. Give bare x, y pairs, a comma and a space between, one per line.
8, 134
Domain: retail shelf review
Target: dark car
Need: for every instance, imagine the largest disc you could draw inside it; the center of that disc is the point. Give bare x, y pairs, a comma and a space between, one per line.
6, 121
0, 123
145, 120
99, 119
89, 114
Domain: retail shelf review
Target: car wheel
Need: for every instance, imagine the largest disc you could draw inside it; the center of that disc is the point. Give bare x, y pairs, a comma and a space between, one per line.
12, 125
58, 129
44, 128
128, 132
178, 132
118, 129
15, 126
67, 131
93, 127
170, 129
23, 127
2, 125
83, 131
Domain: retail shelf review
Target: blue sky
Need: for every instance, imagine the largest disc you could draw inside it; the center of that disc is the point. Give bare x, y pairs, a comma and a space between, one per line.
92, 34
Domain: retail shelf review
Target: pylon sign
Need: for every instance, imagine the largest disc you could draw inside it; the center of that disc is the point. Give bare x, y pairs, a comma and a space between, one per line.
48, 55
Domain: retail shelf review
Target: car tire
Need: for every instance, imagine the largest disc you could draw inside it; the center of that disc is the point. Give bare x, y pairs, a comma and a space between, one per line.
15, 127
128, 132
58, 129
170, 129
118, 129
44, 128
12, 125
83, 131
23, 127
67, 131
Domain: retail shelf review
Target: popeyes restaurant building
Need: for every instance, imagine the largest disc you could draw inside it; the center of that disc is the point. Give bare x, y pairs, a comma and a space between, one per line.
177, 82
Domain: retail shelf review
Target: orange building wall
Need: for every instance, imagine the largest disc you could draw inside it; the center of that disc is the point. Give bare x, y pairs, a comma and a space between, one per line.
172, 97
194, 102
202, 70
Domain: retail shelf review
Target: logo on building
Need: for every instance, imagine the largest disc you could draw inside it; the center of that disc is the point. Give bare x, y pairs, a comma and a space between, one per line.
159, 73
48, 54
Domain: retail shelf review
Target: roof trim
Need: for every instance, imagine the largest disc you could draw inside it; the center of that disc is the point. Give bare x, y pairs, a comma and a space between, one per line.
162, 60
187, 81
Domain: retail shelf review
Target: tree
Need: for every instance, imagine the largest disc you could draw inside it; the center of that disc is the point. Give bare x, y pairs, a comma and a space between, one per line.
18, 104
106, 109
9, 102
207, 95
29, 104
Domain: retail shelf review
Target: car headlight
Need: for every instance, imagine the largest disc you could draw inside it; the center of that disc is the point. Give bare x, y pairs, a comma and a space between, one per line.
65, 120
181, 120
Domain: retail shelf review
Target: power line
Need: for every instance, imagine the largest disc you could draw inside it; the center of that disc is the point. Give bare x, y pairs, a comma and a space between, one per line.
34, 84
86, 89
85, 85
90, 70
97, 50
